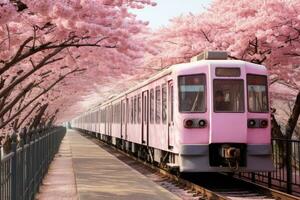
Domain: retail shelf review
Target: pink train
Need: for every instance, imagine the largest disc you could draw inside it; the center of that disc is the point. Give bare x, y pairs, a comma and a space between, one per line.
209, 115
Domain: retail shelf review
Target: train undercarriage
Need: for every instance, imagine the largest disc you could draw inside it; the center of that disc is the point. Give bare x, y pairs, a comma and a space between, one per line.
219, 157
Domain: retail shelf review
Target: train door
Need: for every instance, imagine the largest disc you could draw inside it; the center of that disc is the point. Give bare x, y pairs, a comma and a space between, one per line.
111, 120
171, 136
123, 119
145, 119
99, 121
107, 120
127, 117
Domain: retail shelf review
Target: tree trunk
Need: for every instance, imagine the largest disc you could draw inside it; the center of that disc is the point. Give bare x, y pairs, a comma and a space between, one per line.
292, 122
276, 129
38, 117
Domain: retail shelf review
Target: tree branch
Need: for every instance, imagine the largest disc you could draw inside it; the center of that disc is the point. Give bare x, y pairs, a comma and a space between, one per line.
38, 96
16, 99
37, 67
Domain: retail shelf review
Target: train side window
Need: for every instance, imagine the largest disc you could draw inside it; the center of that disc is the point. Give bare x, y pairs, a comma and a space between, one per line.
164, 103
119, 113
115, 113
107, 115
127, 111
139, 109
157, 104
100, 116
104, 115
171, 88
135, 109
131, 106
111, 114
123, 112
144, 109
152, 106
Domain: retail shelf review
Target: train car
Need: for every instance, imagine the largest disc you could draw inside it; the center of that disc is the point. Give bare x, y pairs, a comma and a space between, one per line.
209, 115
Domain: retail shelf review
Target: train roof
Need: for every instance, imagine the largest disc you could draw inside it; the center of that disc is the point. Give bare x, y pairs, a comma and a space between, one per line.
204, 59
179, 67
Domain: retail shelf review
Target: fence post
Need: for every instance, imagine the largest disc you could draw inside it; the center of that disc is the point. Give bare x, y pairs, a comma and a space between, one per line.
14, 167
22, 164
33, 162
0, 171
288, 167
253, 177
28, 165
269, 179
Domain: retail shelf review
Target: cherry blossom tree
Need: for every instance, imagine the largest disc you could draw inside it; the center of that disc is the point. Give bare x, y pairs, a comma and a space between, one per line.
263, 32
45, 45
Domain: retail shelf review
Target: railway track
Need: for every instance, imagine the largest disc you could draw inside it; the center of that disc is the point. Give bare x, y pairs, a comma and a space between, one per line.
197, 186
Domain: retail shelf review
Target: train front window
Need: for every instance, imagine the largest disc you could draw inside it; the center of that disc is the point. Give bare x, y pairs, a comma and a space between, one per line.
192, 93
228, 95
257, 93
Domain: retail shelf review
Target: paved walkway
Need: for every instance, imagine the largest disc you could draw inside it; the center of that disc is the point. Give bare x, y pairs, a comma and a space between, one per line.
60, 183
100, 175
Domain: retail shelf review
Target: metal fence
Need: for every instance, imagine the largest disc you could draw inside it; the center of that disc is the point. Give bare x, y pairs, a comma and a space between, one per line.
286, 159
23, 169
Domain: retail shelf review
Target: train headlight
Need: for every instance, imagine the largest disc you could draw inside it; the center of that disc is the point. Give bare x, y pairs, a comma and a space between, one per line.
194, 123
251, 123
257, 123
188, 123
202, 123
263, 123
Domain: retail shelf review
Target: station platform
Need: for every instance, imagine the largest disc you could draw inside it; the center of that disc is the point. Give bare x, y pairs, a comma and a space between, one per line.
100, 175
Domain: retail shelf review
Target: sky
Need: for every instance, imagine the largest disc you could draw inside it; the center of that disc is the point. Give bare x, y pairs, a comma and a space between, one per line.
165, 10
